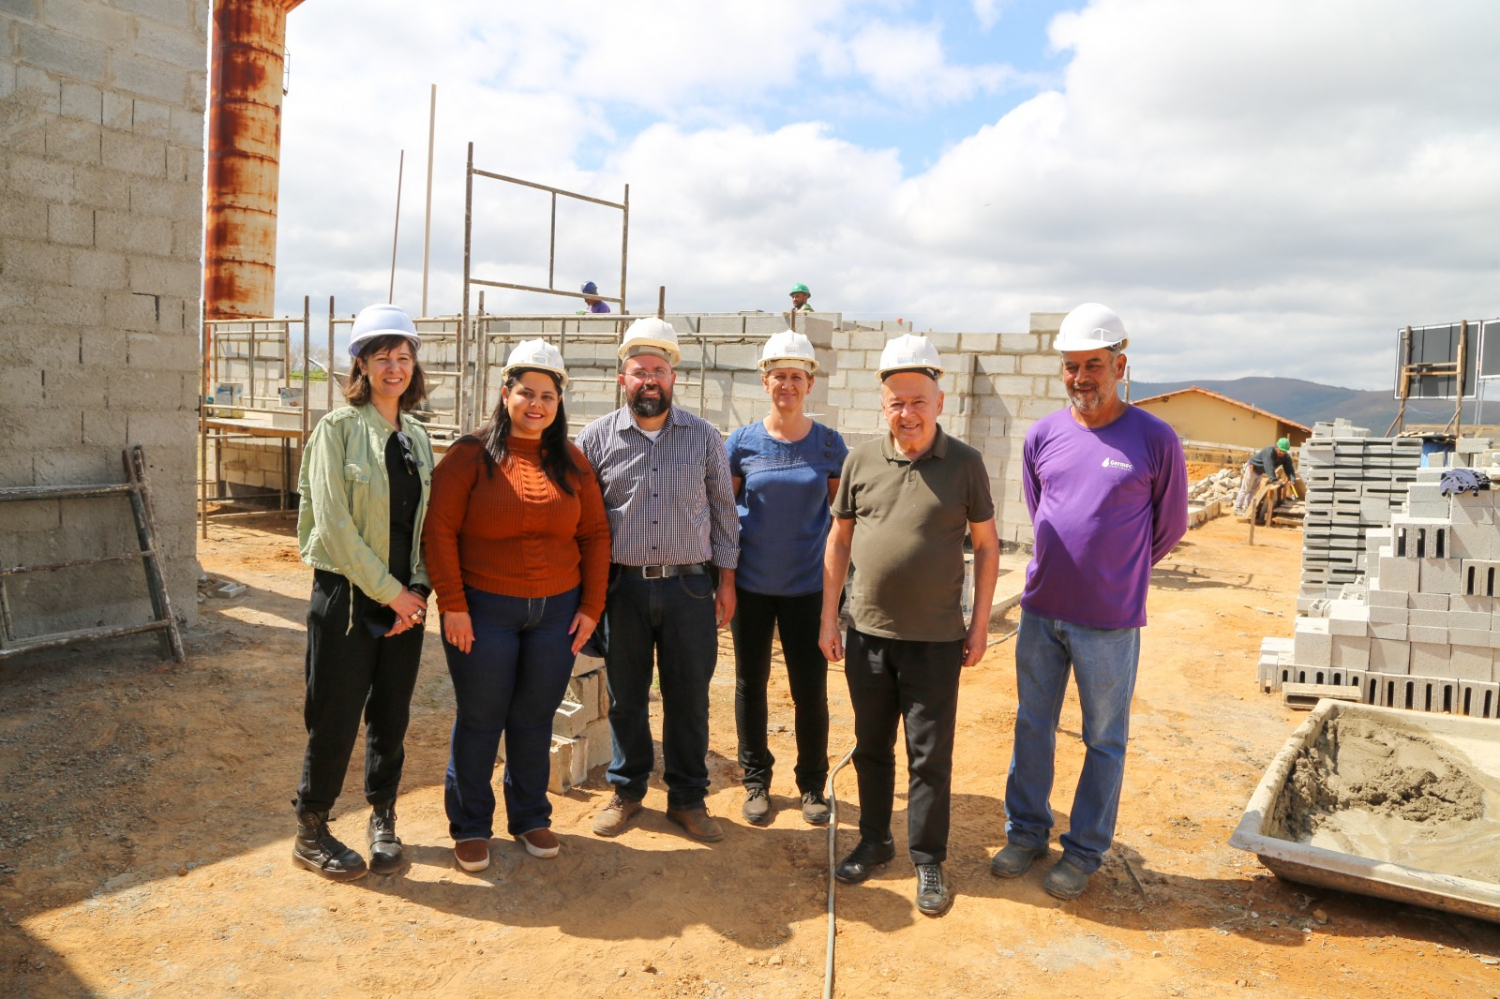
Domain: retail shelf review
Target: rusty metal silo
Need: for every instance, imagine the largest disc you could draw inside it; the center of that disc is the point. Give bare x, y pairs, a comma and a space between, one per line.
244, 153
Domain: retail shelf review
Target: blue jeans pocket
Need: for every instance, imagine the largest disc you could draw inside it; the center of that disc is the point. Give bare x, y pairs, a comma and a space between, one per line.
697, 587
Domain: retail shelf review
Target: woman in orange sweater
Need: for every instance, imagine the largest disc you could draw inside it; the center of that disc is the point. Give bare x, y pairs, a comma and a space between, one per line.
517, 546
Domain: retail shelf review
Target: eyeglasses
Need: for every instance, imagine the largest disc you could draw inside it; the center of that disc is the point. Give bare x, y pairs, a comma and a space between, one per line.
406, 455
653, 375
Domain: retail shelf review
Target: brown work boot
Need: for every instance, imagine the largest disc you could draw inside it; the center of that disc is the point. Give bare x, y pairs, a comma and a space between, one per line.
612, 819
698, 823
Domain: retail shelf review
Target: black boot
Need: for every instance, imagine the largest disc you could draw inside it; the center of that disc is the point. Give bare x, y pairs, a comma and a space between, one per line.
319, 850
385, 845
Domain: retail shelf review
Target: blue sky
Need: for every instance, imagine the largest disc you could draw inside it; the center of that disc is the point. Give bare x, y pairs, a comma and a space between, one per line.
1258, 187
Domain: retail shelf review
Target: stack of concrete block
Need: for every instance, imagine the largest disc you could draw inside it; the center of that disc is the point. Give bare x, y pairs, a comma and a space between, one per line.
1425, 633
1355, 483
1211, 496
580, 729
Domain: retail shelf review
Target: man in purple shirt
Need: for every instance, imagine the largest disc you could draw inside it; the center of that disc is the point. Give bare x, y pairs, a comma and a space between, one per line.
1106, 485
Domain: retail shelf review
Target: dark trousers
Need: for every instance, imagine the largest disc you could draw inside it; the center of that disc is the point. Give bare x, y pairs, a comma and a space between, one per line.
668, 624
511, 681
915, 683
351, 672
756, 616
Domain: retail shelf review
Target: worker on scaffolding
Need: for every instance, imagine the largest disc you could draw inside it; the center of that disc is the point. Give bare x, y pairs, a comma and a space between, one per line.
904, 505
1264, 464
591, 298
800, 296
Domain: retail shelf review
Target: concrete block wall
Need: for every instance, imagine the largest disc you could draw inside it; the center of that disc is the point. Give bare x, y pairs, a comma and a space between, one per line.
1423, 632
995, 387
101, 188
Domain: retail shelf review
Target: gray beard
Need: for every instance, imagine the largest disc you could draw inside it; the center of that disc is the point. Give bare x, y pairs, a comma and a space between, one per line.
648, 409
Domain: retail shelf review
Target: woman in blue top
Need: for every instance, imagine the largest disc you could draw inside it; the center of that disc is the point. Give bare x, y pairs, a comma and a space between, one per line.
785, 470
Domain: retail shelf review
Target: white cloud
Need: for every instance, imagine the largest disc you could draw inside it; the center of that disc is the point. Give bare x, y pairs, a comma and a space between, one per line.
1259, 188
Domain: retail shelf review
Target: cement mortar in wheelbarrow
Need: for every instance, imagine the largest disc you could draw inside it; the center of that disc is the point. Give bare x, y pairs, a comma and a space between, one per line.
1384, 802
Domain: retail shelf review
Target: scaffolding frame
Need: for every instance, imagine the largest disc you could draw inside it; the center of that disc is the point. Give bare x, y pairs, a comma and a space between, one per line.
470, 396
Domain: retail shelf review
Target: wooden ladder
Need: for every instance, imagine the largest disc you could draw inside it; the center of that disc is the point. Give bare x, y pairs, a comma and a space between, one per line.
136, 487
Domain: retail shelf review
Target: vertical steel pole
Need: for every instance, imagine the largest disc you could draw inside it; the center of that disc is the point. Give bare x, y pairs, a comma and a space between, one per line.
306, 350
552, 242
624, 248
463, 326
482, 364
205, 339
427, 215
661, 302
396, 229
329, 370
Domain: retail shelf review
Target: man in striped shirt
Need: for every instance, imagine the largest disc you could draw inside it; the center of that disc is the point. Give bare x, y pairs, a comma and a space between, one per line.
667, 491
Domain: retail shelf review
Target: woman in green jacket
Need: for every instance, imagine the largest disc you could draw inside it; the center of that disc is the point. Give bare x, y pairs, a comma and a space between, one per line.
365, 478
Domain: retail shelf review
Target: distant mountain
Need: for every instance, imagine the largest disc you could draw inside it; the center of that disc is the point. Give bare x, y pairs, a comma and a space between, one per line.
1308, 402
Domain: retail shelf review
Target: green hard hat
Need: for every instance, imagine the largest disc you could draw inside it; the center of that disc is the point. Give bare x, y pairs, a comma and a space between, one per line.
1283, 445
800, 287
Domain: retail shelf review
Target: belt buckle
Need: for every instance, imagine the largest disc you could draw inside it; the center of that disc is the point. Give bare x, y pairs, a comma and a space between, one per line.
660, 573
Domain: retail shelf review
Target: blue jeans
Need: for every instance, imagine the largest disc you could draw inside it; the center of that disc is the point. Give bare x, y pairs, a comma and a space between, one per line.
511, 681
669, 624
1103, 662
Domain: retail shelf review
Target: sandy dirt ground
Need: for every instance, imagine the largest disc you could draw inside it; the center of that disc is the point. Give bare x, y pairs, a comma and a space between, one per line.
145, 840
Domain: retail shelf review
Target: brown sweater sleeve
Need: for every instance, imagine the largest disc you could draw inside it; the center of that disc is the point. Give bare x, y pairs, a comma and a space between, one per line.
452, 482
593, 539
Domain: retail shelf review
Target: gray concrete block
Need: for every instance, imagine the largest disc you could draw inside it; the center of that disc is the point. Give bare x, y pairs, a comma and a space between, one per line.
569, 718
1429, 601
1429, 618
1469, 620
1470, 638
1474, 541
1388, 615
1399, 574
62, 52
1430, 658
1390, 632
1478, 699
1416, 633
1390, 656
1478, 604
1468, 663
1350, 653
1312, 643
587, 664
1386, 598
1440, 575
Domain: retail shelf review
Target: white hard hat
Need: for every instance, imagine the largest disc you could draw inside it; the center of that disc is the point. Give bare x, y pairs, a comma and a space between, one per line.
909, 352
382, 320
788, 346
651, 336
539, 355
1091, 326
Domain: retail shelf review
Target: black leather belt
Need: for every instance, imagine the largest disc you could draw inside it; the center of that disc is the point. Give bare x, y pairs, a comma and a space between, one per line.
663, 571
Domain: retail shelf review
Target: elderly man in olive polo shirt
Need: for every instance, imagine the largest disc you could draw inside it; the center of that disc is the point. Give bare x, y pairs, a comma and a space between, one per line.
903, 507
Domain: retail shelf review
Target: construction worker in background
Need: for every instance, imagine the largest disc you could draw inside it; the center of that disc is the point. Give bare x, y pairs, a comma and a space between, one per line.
785, 469
800, 295
1265, 462
591, 298
675, 546
1106, 486
903, 506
